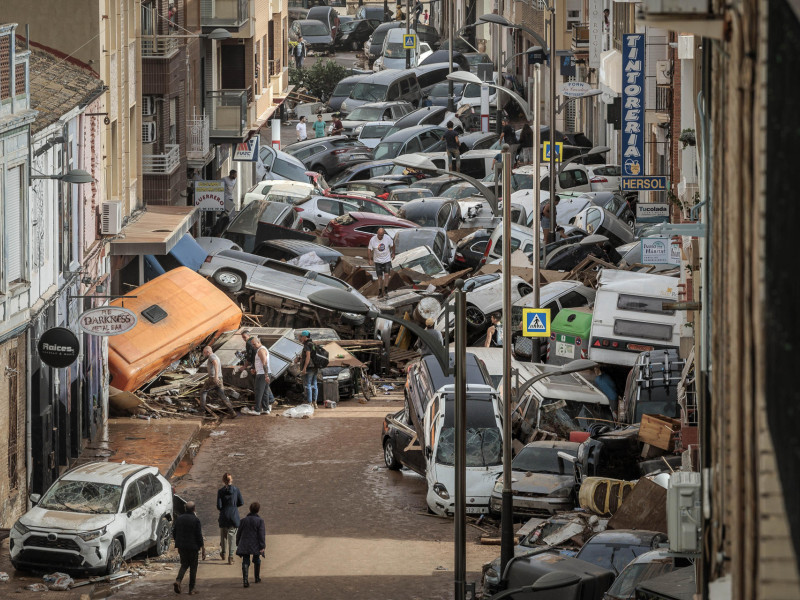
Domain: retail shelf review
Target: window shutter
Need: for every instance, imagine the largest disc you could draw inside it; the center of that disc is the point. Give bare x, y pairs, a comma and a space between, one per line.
13, 228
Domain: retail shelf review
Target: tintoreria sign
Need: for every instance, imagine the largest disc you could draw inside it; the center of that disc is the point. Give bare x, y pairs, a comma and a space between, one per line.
107, 320
633, 104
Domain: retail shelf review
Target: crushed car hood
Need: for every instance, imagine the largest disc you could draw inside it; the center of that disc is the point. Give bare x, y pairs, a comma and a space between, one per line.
45, 518
540, 483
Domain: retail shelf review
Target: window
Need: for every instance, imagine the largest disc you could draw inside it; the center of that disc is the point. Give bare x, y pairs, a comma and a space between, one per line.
593, 219
639, 329
147, 487
441, 219
405, 88
413, 145
643, 304
368, 228
566, 179
132, 498
14, 228
572, 300
173, 120
579, 176
478, 247
328, 206
394, 92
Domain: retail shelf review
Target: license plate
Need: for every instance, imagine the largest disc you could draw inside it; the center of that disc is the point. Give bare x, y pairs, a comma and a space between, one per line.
471, 510
565, 350
359, 156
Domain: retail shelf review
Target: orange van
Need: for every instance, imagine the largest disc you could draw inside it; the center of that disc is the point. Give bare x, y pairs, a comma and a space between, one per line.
176, 312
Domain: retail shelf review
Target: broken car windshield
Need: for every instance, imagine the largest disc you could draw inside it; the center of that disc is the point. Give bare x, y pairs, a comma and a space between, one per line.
82, 496
483, 447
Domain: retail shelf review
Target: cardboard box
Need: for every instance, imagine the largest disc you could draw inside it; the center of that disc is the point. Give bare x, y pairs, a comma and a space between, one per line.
659, 431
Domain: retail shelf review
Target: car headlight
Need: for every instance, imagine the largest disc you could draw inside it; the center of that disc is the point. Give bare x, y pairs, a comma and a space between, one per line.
565, 492
344, 375
88, 536
491, 573
20, 528
358, 129
498, 486
441, 491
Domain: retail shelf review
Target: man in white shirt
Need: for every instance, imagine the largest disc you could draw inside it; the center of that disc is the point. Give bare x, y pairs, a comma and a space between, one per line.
301, 130
381, 254
261, 390
214, 381
230, 189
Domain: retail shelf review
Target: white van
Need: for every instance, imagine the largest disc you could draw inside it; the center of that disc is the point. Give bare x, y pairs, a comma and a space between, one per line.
484, 448
629, 316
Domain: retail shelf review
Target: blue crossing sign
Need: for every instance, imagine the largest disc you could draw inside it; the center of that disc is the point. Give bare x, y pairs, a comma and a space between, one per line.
409, 41
546, 151
536, 322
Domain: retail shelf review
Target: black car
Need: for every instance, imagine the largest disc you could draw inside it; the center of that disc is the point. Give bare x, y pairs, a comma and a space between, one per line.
289, 249
380, 186
365, 170
614, 549
439, 184
378, 36
470, 250
374, 12
314, 34
478, 140
439, 94
428, 34
433, 212
443, 56
329, 155
615, 203
353, 34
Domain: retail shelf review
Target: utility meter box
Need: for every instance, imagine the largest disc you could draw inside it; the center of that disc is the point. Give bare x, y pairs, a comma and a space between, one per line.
684, 512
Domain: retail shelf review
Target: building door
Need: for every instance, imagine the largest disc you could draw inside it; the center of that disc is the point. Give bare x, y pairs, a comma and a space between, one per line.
232, 71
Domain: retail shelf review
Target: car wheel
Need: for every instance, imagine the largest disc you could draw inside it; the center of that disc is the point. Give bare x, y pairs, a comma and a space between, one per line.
309, 227
230, 280
355, 46
164, 534
475, 317
321, 170
114, 562
389, 457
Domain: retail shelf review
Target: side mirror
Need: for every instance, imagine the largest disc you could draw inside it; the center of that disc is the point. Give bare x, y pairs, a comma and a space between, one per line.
35, 498
129, 513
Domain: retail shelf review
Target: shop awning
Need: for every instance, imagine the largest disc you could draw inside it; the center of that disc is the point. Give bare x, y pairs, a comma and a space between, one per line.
156, 231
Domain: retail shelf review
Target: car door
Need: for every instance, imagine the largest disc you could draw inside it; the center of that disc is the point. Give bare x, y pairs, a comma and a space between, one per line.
394, 92
408, 448
138, 521
413, 145
150, 489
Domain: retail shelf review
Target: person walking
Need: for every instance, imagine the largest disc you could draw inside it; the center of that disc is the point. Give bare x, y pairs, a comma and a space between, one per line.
188, 535
251, 543
309, 369
319, 127
299, 52
261, 390
526, 144
229, 499
214, 381
381, 254
452, 143
229, 183
509, 136
302, 133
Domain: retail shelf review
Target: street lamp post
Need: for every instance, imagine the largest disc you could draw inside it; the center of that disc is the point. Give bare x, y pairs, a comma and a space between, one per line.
467, 77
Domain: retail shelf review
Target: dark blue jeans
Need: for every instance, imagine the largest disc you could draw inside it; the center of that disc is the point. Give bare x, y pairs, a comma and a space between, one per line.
310, 385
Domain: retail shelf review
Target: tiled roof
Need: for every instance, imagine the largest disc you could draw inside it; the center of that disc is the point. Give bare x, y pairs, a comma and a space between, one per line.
57, 86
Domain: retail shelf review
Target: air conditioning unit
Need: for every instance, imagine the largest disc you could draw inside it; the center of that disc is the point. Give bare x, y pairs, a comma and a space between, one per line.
148, 132
148, 106
676, 7
111, 218
684, 512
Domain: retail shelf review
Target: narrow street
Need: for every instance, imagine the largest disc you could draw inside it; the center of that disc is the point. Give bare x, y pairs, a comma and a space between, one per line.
339, 524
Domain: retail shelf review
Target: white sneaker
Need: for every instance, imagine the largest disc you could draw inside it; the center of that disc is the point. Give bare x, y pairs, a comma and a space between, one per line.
251, 412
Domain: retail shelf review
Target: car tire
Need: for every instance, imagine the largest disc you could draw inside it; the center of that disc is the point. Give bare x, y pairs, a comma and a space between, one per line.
163, 536
114, 561
354, 46
389, 457
229, 280
308, 227
321, 170
475, 317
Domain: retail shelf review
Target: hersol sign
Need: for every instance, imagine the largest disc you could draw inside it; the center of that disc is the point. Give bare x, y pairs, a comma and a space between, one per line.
107, 320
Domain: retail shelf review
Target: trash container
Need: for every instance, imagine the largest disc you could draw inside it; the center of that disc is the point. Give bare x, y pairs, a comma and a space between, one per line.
330, 390
569, 336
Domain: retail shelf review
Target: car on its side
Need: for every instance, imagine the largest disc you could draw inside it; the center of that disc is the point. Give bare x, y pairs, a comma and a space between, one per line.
422, 138
616, 203
317, 211
433, 212
93, 518
433, 237
262, 220
542, 482
314, 33
427, 115
356, 229
329, 155
614, 549
371, 133
599, 221
366, 170
470, 249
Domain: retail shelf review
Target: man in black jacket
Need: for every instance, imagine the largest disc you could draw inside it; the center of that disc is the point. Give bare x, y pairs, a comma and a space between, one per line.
229, 499
188, 535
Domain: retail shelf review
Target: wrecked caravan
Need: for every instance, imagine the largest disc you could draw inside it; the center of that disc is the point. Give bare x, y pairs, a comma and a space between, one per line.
177, 312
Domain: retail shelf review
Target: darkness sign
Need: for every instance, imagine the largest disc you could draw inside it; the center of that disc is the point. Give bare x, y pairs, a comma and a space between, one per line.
58, 347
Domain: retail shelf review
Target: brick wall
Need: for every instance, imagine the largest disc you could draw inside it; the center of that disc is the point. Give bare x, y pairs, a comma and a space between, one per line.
13, 475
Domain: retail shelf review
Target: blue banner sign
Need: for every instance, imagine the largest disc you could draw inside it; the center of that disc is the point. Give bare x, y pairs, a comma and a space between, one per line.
633, 104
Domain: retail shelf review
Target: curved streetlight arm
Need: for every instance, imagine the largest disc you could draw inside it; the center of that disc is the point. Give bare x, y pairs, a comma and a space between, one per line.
487, 193
519, 99
528, 51
492, 20
438, 350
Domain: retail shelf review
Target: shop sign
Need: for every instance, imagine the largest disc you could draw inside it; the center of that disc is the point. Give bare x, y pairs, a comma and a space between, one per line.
58, 347
107, 320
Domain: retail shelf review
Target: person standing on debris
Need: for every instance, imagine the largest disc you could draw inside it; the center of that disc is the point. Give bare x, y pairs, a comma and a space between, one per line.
509, 136
299, 52
261, 390
494, 334
526, 144
452, 144
188, 535
213, 382
319, 127
381, 254
422, 346
230, 188
302, 133
249, 350
229, 499
309, 369
251, 541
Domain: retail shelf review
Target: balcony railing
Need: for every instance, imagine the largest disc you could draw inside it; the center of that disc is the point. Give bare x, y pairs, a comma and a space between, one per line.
197, 143
580, 37
224, 13
228, 111
663, 98
160, 47
162, 164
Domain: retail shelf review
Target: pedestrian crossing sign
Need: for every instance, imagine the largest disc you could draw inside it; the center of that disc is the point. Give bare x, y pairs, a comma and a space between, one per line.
536, 322
410, 41
546, 151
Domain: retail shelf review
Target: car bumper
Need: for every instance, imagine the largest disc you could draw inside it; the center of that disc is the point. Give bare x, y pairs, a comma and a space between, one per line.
532, 506
67, 553
446, 508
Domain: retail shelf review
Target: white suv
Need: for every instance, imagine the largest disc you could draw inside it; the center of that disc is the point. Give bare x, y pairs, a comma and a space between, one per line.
94, 517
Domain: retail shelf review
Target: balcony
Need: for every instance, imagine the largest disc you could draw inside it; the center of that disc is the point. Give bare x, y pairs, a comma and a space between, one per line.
580, 37
159, 47
162, 164
198, 144
228, 111
663, 98
224, 13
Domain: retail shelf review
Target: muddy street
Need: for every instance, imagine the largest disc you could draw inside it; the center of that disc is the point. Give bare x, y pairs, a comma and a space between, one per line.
339, 524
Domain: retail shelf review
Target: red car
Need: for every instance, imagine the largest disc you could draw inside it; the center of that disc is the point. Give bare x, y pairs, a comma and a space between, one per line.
355, 229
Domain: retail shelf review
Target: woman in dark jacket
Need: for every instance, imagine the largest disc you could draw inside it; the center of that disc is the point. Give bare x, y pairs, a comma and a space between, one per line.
229, 499
251, 541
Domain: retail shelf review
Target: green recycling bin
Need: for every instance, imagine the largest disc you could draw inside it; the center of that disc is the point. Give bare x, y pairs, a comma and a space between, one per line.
569, 336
